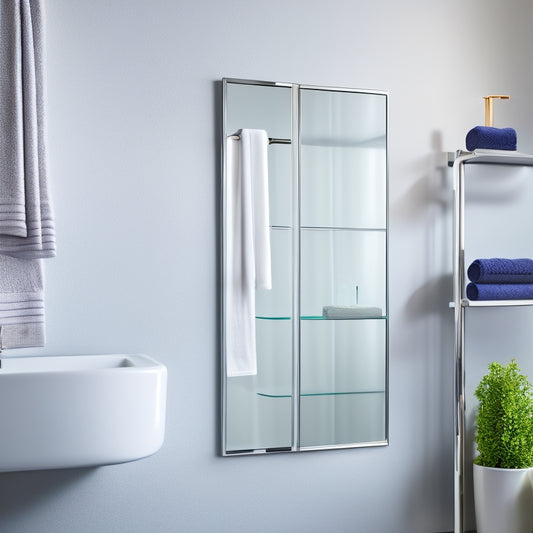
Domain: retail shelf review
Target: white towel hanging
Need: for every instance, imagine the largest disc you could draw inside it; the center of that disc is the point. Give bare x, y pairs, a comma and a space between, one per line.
248, 262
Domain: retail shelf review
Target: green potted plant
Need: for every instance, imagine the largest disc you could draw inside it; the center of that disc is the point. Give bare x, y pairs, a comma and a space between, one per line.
503, 473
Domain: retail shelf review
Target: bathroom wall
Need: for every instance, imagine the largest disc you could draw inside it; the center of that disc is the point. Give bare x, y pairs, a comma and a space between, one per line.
133, 143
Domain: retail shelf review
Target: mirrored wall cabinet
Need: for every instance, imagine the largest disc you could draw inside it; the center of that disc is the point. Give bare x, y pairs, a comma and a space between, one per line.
315, 343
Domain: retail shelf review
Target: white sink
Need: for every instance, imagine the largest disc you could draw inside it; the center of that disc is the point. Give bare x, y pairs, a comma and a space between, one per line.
80, 410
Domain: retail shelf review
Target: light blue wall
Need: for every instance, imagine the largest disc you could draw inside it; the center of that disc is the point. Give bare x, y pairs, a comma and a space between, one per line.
133, 152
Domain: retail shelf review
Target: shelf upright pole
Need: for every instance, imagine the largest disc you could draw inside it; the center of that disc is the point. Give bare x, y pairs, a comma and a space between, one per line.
459, 316
296, 269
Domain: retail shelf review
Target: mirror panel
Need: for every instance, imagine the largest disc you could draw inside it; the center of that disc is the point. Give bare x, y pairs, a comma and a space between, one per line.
343, 385
343, 159
342, 267
321, 331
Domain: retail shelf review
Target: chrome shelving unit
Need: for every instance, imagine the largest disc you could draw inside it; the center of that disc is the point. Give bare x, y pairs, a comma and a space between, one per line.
458, 160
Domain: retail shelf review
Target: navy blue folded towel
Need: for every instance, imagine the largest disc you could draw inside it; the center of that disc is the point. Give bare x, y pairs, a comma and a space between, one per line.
504, 291
501, 270
491, 138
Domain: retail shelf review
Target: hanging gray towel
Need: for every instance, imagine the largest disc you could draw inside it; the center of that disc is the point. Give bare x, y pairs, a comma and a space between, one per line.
27, 232
21, 302
26, 221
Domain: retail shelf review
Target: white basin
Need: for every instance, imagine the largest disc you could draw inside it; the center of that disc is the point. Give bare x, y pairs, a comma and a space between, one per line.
80, 410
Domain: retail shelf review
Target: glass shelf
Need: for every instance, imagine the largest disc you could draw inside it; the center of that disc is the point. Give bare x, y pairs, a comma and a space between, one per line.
265, 395
319, 317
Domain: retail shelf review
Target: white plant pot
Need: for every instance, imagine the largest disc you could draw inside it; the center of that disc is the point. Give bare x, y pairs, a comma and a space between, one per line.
503, 499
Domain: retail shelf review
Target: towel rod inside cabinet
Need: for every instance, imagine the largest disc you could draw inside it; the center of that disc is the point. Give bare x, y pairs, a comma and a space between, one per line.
271, 140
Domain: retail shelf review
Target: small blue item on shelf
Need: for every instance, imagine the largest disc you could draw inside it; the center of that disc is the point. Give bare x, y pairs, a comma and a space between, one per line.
489, 138
502, 291
501, 270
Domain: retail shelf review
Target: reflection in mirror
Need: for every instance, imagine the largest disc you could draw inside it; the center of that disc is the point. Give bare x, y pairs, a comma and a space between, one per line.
312, 342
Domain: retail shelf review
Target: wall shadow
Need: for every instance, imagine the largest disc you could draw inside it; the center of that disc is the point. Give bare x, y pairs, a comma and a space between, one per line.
19, 491
427, 307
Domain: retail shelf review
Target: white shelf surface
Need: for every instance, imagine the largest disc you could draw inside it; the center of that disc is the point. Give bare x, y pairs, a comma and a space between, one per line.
465, 302
497, 157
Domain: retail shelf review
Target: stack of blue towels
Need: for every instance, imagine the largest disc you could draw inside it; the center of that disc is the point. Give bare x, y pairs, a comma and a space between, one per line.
500, 279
